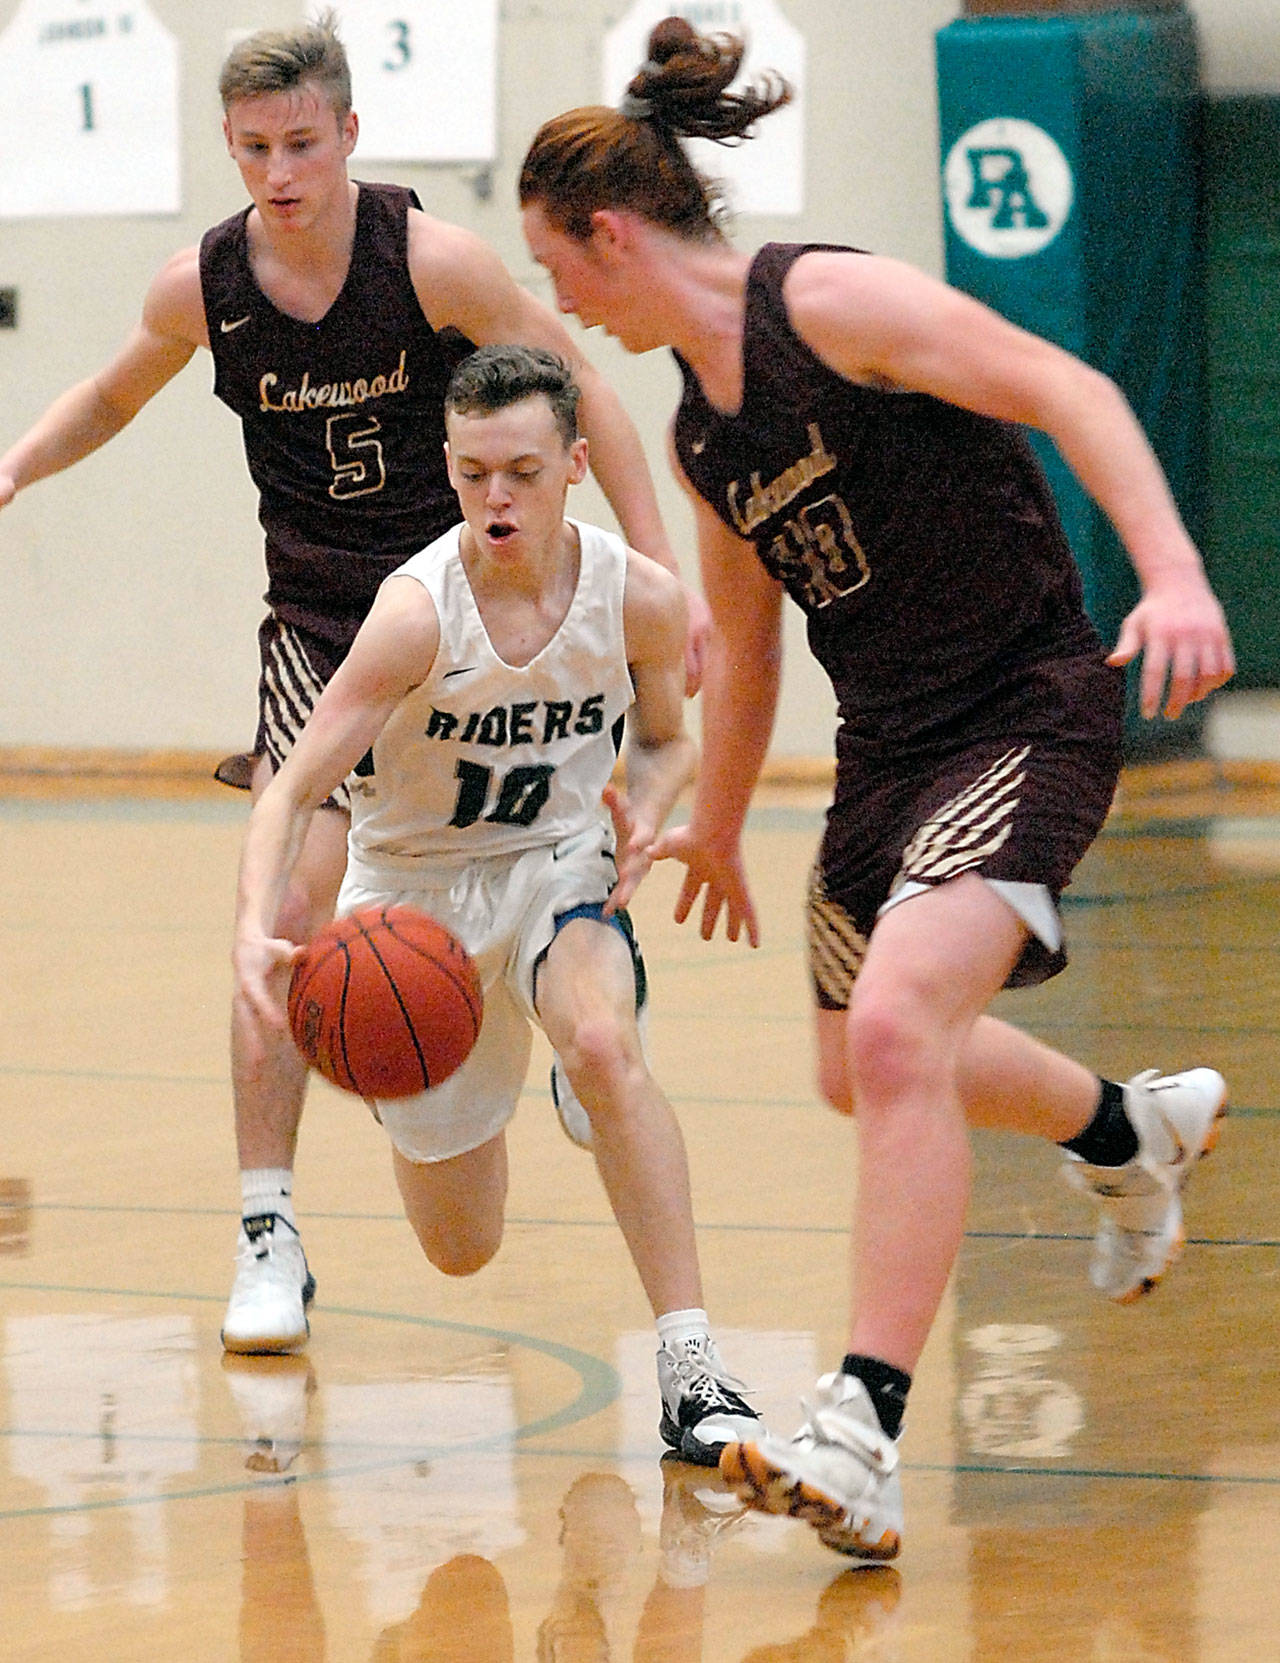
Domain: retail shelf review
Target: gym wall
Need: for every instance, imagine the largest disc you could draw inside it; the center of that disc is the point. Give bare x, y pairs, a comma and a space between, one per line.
130, 584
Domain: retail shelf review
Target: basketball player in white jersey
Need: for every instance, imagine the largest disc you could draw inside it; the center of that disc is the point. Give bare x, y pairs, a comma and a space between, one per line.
476, 719
321, 283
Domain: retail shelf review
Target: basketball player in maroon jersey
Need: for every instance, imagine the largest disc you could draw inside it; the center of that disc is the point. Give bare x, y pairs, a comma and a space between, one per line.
847, 436
334, 313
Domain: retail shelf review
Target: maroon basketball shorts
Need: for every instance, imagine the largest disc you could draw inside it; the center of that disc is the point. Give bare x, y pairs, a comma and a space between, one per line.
1016, 793
295, 669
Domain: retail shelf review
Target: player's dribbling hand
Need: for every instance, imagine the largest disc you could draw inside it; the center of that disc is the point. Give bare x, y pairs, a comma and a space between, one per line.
720, 875
263, 966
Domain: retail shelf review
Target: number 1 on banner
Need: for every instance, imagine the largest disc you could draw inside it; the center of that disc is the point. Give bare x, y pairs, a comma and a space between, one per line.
89, 100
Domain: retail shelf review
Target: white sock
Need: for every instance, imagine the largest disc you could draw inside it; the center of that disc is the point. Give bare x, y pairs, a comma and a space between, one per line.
267, 1189
684, 1329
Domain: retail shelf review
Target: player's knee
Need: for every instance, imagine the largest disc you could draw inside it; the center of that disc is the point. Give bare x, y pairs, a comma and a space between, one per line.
460, 1253
600, 1058
461, 1258
887, 1049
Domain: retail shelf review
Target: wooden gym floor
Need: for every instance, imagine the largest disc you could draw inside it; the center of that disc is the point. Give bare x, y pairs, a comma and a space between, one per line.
470, 1470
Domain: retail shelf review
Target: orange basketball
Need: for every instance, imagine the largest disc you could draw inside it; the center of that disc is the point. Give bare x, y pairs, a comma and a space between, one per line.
385, 1002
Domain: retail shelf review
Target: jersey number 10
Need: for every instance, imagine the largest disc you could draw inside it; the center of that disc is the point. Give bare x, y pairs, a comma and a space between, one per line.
522, 794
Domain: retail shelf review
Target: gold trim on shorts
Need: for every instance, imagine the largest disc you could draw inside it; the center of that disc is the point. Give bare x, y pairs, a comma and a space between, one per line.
836, 946
967, 830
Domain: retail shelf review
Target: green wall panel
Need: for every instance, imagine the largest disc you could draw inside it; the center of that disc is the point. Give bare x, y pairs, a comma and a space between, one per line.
1100, 251
1242, 286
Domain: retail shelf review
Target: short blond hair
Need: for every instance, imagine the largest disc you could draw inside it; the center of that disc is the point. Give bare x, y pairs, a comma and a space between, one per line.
277, 60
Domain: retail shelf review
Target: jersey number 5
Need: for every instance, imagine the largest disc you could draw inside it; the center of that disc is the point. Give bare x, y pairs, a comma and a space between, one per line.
355, 455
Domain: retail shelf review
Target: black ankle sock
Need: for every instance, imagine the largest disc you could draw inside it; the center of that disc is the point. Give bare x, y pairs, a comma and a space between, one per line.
1109, 1139
886, 1386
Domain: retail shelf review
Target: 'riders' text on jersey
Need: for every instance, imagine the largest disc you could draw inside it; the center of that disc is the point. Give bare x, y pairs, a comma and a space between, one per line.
486, 757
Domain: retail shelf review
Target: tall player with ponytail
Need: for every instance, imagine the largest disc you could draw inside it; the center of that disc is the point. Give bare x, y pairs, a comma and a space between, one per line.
849, 435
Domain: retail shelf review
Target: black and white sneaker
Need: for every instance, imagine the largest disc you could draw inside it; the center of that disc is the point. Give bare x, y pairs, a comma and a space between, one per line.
702, 1404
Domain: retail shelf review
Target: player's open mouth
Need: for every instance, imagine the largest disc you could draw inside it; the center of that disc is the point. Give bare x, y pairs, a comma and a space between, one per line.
499, 530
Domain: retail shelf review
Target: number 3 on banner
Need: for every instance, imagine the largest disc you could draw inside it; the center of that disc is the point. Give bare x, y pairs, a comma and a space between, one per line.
401, 50
424, 76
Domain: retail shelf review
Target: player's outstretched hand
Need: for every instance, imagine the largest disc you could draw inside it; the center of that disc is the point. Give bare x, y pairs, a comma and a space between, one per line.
8, 490
721, 875
633, 842
1180, 630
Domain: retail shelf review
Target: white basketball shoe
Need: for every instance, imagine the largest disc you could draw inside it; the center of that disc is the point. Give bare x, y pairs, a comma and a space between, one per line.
839, 1473
1140, 1230
268, 1307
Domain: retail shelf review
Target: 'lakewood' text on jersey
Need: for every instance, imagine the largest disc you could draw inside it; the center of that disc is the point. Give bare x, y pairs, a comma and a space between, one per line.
343, 419
485, 757
921, 540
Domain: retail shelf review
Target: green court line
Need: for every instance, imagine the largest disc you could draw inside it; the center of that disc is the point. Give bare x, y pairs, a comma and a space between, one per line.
983, 1469
1190, 830
686, 1100
1135, 1475
704, 1227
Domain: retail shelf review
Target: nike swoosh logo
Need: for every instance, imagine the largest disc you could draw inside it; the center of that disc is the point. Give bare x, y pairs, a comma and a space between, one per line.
464, 671
228, 324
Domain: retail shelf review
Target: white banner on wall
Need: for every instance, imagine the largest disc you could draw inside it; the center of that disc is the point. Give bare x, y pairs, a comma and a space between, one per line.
88, 110
764, 175
424, 78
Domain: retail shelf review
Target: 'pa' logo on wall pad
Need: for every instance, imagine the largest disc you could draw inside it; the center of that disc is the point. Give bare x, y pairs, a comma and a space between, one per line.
1008, 187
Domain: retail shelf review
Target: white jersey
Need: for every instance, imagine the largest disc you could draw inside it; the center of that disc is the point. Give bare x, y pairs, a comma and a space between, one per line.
485, 757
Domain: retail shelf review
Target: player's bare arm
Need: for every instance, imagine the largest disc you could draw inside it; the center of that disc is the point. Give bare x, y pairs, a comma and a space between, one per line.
881, 322
740, 696
94, 410
459, 280
660, 754
391, 654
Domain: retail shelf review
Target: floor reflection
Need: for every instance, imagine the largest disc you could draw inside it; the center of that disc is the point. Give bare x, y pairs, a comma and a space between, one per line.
471, 1471
107, 1407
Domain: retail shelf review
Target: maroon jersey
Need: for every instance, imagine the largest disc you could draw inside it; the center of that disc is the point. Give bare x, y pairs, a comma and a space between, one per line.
920, 539
343, 419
